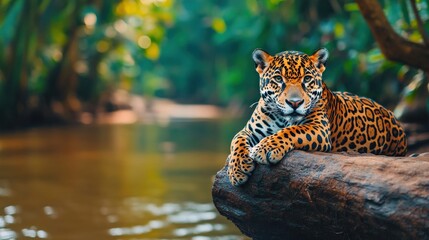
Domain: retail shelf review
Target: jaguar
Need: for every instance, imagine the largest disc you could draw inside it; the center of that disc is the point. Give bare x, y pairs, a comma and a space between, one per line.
296, 110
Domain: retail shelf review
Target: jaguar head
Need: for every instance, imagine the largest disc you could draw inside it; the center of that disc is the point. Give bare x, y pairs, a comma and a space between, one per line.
291, 81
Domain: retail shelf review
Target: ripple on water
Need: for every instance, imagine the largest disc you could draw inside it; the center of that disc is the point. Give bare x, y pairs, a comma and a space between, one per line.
9, 218
187, 219
198, 229
7, 234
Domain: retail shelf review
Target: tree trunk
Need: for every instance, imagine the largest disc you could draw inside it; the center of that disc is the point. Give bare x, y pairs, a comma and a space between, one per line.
330, 196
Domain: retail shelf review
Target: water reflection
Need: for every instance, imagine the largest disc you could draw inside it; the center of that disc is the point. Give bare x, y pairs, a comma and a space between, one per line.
198, 229
9, 219
6, 234
173, 216
34, 233
113, 182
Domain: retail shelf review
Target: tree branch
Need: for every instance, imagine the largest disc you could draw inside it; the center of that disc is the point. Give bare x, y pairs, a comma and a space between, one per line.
393, 46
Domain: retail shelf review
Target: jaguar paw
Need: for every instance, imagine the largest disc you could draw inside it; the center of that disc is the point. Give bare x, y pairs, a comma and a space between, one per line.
239, 169
268, 151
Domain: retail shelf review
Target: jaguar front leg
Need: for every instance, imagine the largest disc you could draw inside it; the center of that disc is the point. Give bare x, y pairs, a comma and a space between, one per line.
272, 149
240, 164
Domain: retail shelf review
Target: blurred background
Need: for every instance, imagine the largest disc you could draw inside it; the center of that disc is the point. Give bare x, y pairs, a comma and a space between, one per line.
115, 114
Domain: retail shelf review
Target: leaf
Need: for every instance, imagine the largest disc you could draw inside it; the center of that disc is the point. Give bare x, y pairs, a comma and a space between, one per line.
10, 23
153, 52
351, 7
405, 13
218, 24
339, 30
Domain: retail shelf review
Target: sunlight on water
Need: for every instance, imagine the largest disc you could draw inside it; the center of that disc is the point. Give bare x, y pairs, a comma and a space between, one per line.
6, 233
113, 182
9, 219
170, 214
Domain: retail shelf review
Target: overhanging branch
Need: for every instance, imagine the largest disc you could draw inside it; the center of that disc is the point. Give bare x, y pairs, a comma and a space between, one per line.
393, 46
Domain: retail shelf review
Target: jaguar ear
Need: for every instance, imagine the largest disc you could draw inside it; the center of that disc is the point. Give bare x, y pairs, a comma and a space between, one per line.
262, 60
319, 58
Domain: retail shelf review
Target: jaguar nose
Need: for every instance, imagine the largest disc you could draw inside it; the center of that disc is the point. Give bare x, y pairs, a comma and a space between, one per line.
294, 102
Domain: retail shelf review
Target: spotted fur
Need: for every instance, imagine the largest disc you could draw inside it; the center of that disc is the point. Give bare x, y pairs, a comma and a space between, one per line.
297, 111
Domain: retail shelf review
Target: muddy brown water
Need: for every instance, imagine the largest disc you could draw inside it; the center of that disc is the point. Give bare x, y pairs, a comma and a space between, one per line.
142, 181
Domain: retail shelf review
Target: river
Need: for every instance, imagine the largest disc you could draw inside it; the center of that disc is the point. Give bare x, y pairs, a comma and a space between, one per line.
139, 181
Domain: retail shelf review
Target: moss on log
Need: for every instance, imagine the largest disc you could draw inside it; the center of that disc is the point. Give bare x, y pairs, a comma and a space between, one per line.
330, 196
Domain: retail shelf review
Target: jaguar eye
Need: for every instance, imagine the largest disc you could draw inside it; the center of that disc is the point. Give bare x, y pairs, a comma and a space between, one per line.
307, 79
278, 79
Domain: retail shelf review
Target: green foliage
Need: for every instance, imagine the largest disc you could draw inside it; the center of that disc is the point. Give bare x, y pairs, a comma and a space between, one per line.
70, 53
210, 61
56, 55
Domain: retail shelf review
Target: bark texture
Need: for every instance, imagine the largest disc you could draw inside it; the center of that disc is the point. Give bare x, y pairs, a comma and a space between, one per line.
330, 196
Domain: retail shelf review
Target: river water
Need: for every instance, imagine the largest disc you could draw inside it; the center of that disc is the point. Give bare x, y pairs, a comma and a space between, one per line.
114, 182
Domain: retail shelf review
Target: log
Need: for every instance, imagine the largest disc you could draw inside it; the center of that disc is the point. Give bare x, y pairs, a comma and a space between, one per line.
330, 196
